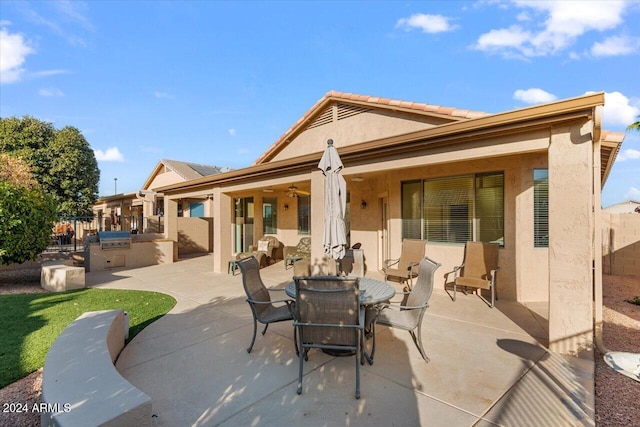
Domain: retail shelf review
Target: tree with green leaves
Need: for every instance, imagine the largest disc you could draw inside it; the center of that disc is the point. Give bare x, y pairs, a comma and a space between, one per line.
634, 126
61, 161
26, 212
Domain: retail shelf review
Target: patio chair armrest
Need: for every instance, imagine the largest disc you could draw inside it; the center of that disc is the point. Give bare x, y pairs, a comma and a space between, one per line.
412, 265
395, 306
390, 262
455, 271
286, 301
413, 307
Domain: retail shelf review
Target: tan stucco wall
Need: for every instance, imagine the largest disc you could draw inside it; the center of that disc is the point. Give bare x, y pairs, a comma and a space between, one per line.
195, 235
166, 178
621, 243
571, 239
526, 283
362, 127
141, 254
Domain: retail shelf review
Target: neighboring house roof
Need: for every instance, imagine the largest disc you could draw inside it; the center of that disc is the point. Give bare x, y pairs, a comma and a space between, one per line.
317, 113
630, 206
456, 130
185, 170
192, 170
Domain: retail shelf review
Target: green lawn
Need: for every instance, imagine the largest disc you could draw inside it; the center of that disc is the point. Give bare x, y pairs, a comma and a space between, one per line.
30, 323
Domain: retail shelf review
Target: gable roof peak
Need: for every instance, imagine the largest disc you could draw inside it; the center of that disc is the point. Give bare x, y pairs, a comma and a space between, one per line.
452, 113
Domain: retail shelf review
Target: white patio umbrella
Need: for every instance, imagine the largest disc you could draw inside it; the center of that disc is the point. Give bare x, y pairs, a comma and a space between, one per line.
335, 202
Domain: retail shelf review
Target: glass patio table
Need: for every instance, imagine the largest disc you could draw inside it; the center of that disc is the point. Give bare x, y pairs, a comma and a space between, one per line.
372, 293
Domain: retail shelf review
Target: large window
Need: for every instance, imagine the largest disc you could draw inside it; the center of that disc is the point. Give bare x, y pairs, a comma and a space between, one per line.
269, 215
541, 208
454, 209
304, 211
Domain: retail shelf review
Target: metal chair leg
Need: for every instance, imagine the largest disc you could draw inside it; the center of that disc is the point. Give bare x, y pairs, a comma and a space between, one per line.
420, 347
253, 340
301, 361
266, 325
358, 367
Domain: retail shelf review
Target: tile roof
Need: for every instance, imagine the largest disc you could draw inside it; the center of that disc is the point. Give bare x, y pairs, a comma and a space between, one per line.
372, 101
192, 170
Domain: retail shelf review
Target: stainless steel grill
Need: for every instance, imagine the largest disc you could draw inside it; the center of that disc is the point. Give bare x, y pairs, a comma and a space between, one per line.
114, 240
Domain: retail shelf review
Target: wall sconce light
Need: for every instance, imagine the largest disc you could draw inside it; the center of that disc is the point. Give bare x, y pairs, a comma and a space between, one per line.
286, 206
363, 205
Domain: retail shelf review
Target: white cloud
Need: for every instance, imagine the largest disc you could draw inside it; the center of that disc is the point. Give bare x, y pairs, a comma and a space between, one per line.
633, 194
427, 23
163, 95
628, 154
534, 96
232, 132
51, 92
618, 110
110, 155
13, 53
616, 46
47, 73
553, 26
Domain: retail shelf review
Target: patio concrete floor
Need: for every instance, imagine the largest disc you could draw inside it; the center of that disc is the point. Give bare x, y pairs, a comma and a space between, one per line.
487, 366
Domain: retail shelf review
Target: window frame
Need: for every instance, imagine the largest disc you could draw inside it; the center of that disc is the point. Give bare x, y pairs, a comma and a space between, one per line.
270, 219
301, 231
412, 231
540, 213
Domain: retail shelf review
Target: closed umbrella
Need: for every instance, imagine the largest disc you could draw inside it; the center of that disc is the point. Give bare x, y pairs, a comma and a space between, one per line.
335, 202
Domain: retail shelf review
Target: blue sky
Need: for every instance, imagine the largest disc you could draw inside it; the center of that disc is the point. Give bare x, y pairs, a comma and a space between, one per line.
218, 82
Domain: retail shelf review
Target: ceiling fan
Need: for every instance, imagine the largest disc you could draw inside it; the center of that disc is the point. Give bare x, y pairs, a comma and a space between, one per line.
294, 192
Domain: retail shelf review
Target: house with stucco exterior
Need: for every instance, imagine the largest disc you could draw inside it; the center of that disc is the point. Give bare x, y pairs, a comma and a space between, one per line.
143, 210
529, 179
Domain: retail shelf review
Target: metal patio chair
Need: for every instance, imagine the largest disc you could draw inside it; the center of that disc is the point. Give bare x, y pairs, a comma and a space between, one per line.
328, 317
479, 269
262, 307
405, 267
409, 315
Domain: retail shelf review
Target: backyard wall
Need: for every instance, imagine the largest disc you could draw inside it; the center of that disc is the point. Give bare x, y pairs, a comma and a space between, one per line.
621, 244
195, 235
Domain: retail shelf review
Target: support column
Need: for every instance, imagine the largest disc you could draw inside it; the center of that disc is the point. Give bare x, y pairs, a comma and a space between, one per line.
171, 223
222, 230
571, 221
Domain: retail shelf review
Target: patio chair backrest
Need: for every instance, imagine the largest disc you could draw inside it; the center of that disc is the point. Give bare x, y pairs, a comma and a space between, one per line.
331, 303
252, 283
352, 264
412, 252
423, 288
479, 259
304, 245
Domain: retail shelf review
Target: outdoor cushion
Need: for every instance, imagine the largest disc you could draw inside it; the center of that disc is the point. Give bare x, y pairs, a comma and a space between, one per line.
263, 245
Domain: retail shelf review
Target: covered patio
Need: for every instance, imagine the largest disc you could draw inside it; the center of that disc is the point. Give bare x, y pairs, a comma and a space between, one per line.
488, 366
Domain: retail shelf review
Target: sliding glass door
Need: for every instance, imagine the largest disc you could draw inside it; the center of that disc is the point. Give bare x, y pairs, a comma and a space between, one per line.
243, 229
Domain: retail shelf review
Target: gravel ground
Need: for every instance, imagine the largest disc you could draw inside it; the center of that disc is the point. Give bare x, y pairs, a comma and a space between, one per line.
617, 397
